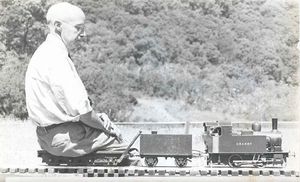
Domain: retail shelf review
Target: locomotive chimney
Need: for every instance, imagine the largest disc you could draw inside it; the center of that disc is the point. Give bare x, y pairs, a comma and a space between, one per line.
274, 123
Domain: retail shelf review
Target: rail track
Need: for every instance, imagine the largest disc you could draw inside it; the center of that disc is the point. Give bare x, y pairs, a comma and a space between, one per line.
143, 171
91, 172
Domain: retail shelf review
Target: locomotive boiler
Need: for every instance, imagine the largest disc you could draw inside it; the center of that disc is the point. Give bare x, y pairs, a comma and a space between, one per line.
247, 147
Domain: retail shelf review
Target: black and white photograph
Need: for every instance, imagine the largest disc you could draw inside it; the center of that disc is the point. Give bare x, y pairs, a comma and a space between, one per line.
149, 90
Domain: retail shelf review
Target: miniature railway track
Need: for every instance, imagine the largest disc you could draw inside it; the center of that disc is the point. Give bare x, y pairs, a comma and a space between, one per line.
142, 171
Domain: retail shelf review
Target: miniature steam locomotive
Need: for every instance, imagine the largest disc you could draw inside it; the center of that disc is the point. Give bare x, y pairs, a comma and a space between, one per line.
247, 147
223, 147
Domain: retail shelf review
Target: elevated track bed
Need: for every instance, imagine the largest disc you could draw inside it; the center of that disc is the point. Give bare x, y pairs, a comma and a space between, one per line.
142, 171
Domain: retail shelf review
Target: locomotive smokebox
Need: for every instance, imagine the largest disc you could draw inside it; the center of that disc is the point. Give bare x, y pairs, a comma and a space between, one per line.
274, 123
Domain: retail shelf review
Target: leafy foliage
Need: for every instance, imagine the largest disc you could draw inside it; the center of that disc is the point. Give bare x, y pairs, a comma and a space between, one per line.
232, 56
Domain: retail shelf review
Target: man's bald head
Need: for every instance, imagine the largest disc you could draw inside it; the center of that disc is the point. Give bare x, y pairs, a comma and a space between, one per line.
67, 21
65, 12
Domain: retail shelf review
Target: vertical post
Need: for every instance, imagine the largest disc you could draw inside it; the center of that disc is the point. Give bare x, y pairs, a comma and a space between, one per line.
187, 127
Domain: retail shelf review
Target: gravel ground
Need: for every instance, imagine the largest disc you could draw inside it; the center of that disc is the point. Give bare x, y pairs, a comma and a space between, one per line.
19, 143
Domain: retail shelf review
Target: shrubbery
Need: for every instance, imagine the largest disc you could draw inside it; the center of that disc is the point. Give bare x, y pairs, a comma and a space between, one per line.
237, 57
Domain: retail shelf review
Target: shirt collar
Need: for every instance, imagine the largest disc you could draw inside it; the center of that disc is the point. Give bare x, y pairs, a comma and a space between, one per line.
54, 39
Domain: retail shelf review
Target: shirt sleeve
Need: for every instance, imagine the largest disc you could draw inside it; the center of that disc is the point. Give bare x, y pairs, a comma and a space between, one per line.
68, 88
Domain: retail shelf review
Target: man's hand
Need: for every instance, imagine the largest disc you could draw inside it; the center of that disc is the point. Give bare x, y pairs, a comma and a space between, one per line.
110, 127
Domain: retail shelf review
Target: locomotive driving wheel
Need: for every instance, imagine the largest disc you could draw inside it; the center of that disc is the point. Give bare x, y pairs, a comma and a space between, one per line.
180, 161
232, 158
151, 161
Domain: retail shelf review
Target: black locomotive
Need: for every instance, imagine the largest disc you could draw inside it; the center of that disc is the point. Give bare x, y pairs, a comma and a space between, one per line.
247, 147
223, 147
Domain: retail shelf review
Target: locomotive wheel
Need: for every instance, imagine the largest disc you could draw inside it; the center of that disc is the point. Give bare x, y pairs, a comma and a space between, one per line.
151, 161
180, 161
233, 158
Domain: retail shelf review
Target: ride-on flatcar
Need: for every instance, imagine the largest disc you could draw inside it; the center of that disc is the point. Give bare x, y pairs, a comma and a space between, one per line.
97, 158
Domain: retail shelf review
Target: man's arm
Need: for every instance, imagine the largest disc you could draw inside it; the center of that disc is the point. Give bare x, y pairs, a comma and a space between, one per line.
102, 123
92, 120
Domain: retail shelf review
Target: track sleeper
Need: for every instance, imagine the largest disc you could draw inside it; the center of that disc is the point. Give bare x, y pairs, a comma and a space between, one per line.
203, 172
214, 172
100, 172
90, 172
131, 172
141, 172
121, 172
276, 173
224, 172
22, 170
245, 172
234, 172
287, 173
51, 170
255, 172
266, 173
161, 172
41, 170
171, 172
194, 172
13, 170
183, 172
110, 172
4, 170
31, 170
80, 171
151, 172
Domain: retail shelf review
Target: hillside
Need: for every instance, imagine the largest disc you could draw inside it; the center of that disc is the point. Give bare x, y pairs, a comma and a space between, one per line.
190, 58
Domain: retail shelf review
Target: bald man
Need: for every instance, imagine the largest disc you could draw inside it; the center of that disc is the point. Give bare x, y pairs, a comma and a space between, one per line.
56, 99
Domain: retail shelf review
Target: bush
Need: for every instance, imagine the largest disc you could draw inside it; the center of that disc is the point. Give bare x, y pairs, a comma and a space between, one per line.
230, 56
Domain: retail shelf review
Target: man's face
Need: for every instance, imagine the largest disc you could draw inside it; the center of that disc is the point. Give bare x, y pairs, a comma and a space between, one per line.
72, 30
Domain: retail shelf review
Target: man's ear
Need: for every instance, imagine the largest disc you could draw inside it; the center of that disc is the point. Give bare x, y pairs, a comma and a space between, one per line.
57, 26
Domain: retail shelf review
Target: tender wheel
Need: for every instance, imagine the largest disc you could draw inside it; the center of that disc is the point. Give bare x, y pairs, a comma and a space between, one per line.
151, 161
232, 158
181, 161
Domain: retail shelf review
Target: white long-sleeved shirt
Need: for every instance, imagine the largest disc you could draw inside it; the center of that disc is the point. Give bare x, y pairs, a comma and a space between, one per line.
54, 90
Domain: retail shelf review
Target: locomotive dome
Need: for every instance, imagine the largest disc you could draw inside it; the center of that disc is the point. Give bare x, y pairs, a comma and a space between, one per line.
256, 126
